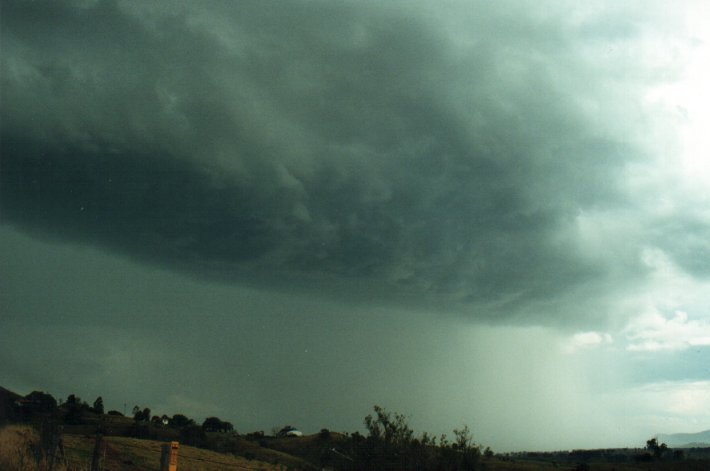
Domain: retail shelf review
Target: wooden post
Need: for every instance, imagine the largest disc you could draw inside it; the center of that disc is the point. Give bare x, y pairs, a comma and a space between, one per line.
174, 446
96, 456
168, 456
164, 457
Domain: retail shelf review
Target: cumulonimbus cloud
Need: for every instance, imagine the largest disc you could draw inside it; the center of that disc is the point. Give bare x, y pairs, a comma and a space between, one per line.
322, 142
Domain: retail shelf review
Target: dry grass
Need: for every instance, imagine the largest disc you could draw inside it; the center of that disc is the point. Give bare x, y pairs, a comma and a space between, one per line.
118, 454
18, 445
14, 448
124, 454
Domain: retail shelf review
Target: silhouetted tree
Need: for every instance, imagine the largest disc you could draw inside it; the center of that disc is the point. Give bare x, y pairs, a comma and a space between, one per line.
214, 424
99, 405
652, 445
74, 408
141, 415
390, 444
180, 421
467, 455
388, 441
38, 402
658, 451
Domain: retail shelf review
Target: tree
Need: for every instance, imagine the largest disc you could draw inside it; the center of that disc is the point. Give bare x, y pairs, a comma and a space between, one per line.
463, 438
38, 402
211, 424
99, 405
468, 453
180, 421
657, 450
141, 415
391, 445
73, 407
391, 429
214, 424
388, 442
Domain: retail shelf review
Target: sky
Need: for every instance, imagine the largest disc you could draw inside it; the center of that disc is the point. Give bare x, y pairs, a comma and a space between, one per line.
493, 214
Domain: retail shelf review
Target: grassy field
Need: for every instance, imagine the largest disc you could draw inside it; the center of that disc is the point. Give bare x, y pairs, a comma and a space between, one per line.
117, 454
16, 450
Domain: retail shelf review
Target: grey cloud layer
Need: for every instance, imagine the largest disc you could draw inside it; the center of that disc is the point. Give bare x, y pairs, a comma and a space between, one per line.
317, 141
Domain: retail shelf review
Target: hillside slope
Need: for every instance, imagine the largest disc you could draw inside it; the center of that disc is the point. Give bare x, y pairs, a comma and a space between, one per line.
117, 454
679, 440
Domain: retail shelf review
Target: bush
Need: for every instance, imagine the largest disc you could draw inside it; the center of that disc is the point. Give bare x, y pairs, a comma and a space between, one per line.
214, 424
255, 436
390, 444
193, 435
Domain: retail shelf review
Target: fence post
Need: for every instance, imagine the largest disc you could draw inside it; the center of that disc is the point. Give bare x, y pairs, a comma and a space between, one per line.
174, 446
169, 456
96, 456
164, 457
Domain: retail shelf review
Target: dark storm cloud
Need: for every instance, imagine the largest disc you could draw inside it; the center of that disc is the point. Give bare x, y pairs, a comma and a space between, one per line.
311, 141
144, 201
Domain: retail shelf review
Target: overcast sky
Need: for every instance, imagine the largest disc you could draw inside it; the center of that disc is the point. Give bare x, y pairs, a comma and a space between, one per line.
470, 212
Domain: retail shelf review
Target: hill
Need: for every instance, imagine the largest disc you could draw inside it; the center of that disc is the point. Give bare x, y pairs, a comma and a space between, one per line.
73, 434
7, 399
117, 454
686, 440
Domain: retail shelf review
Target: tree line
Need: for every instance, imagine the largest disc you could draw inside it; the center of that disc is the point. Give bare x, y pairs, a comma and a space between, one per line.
389, 442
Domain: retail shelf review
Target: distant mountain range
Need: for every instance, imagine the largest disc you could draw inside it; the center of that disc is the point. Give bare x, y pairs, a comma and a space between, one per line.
685, 440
